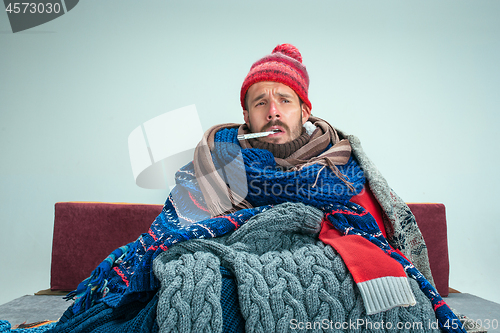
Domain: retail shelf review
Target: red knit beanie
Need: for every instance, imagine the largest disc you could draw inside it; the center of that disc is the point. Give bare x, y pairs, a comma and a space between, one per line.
283, 65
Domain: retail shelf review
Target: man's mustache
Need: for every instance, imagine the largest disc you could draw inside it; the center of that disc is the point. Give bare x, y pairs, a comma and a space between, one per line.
276, 123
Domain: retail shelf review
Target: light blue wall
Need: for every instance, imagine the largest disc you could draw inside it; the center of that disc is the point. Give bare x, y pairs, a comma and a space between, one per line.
415, 81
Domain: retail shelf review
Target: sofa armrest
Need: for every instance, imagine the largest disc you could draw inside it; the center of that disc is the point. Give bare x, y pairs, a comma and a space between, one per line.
85, 233
431, 219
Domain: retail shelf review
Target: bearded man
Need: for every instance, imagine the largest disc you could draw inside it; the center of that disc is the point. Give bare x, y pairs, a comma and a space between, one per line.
280, 223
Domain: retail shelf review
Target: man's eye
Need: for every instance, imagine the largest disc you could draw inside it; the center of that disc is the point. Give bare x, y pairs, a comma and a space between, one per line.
286, 101
260, 103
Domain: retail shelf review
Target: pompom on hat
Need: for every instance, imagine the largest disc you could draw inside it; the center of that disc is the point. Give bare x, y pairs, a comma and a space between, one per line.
283, 65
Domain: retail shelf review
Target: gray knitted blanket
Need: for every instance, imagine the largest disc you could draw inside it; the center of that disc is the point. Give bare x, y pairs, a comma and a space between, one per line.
287, 280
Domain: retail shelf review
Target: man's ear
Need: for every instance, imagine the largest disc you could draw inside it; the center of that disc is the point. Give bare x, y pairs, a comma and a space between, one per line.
245, 116
306, 113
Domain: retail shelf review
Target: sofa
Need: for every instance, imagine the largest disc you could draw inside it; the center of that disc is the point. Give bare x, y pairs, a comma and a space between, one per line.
86, 232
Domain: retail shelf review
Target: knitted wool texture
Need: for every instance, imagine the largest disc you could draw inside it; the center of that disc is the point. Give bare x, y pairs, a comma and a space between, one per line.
327, 193
5, 327
282, 150
313, 185
126, 275
351, 219
284, 274
400, 224
130, 277
283, 65
134, 317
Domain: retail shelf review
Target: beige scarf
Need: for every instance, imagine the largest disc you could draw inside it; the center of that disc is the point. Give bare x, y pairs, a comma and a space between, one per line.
219, 197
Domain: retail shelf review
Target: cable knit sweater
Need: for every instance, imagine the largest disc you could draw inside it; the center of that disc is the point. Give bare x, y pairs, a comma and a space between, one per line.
287, 279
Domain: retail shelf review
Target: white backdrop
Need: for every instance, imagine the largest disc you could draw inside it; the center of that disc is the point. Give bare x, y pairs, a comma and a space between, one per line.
415, 81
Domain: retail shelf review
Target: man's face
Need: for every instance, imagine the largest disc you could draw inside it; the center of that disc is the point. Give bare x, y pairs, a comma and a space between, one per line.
273, 105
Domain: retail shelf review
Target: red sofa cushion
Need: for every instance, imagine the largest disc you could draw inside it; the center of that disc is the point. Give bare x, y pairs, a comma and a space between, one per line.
431, 219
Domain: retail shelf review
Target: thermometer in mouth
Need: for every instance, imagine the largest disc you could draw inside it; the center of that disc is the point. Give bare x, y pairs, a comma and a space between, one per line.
256, 135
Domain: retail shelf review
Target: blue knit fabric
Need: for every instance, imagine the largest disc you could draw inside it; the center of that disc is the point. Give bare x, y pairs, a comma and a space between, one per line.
140, 316
5, 327
353, 219
135, 316
314, 185
232, 320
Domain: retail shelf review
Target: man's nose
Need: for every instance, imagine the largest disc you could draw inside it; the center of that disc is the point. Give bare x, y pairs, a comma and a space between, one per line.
273, 111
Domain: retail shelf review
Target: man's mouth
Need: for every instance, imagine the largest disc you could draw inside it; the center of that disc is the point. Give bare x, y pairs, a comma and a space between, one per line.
276, 130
